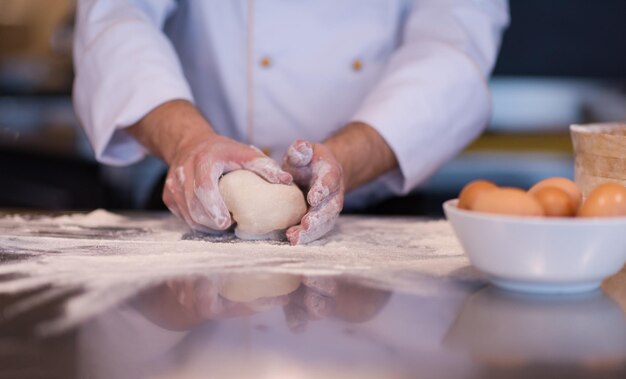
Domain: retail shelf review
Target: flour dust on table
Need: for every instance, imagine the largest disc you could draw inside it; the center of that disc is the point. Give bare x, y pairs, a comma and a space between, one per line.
103, 258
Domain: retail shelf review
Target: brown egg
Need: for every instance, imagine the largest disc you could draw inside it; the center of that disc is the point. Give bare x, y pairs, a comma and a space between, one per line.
563, 183
468, 194
555, 202
509, 201
606, 200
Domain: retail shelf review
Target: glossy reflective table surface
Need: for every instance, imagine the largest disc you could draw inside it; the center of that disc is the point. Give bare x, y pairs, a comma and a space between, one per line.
87, 299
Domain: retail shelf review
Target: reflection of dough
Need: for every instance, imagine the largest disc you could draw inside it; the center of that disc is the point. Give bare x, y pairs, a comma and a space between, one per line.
246, 287
261, 210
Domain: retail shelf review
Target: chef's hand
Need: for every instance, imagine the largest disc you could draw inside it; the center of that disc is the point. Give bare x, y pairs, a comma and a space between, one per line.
178, 133
355, 155
315, 169
191, 188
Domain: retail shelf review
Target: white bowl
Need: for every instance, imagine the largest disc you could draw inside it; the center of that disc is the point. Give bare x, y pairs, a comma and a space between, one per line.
541, 254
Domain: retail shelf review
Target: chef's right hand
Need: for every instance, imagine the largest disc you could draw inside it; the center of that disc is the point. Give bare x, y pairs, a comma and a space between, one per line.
197, 156
191, 189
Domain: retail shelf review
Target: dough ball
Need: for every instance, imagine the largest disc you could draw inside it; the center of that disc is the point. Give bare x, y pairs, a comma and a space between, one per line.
247, 287
261, 210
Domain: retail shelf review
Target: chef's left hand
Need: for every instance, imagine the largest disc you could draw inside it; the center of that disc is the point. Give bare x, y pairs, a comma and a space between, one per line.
316, 170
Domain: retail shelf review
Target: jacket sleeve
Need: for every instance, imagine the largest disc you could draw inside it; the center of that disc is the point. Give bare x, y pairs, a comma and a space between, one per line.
433, 98
125, 67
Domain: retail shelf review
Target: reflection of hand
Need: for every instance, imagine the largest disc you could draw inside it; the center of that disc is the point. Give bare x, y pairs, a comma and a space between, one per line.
184, 303
315, 169
314, 300
323, 297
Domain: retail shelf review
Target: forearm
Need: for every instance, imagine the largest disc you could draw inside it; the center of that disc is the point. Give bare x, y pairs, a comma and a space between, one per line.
169, 126
363, 154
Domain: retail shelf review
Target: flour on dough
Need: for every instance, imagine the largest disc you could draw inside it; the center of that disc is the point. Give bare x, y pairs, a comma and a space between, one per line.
261, 210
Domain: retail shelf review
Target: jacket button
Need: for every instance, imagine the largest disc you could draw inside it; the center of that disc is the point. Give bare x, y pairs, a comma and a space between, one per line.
357, 65
265, 62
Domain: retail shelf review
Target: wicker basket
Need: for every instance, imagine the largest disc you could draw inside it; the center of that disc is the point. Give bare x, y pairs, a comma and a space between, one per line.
600, 151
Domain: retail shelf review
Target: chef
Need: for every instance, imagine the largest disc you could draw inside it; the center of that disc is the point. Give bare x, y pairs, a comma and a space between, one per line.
368, 97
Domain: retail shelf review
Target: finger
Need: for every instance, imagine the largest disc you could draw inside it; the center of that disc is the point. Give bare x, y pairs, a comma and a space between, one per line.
299, 154
325, 285
182, 292
297, 162
326, 180
301, 175
317, 305
317, 222
297, 235
208, 302
269, 170
206, 204
169, 202
296, 317
323, 213
186, 295
176, 194
194, 205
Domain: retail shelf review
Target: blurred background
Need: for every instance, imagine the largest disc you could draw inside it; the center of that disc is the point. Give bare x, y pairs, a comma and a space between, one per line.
562, 62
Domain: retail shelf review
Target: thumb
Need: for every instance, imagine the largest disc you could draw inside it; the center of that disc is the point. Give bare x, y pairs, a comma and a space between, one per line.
299, 154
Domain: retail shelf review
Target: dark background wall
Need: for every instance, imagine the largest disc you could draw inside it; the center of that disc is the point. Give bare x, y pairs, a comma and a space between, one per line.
573, 38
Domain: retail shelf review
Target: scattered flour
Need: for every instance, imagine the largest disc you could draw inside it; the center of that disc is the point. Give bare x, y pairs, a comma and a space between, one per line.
99, 217
106, 258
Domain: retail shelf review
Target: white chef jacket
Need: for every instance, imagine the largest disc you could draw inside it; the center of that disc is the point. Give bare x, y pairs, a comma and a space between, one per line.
268, 72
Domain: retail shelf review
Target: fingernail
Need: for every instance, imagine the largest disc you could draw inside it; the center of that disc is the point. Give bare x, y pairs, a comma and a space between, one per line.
285, 178
221, 222
218, 216
273, 178
300, 154
303, 145
293, 235
180, 175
